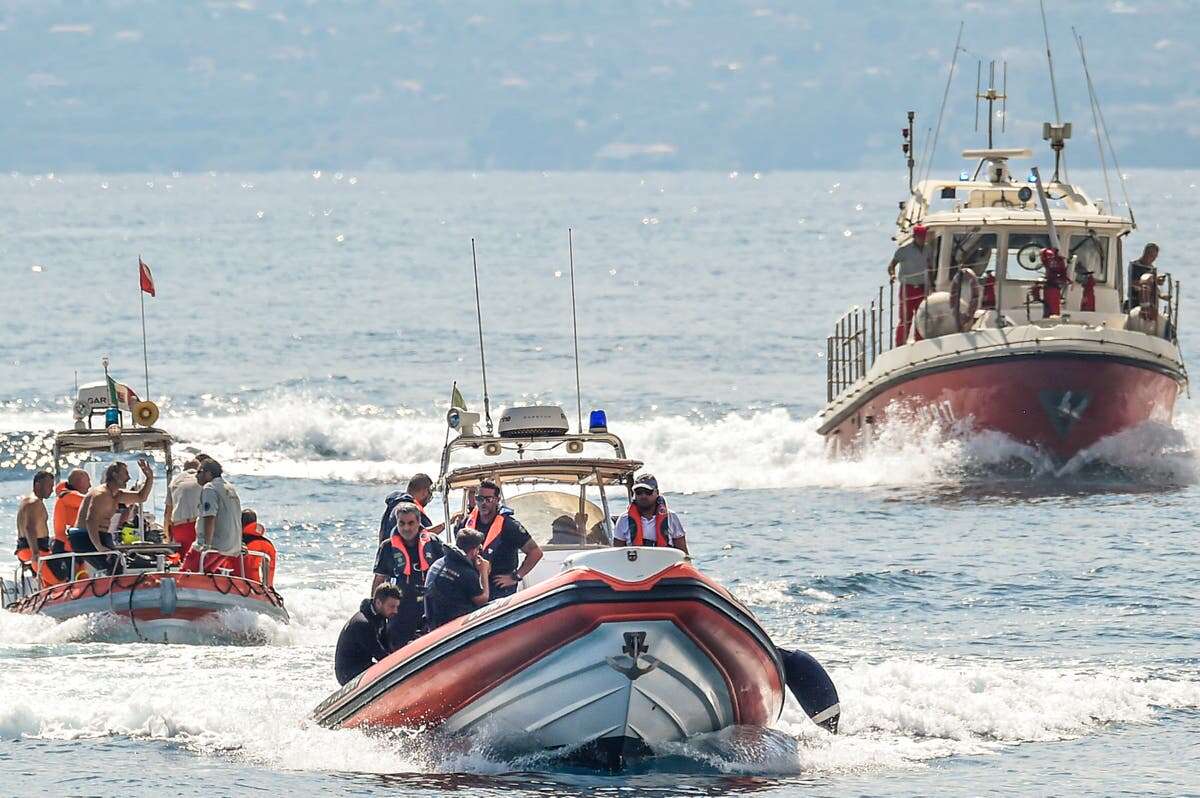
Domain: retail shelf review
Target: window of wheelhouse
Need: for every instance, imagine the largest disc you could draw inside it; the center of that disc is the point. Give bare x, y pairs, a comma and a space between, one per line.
1024, 255
975, 250
1090, 253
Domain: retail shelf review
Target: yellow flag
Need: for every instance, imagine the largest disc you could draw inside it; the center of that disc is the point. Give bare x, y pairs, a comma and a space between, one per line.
456, 398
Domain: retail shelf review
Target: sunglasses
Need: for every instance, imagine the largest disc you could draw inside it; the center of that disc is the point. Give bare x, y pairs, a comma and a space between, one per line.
643, 492
482, 498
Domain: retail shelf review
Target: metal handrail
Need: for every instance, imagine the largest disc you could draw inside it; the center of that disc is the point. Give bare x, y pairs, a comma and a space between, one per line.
860, 336
24, 574
241, 561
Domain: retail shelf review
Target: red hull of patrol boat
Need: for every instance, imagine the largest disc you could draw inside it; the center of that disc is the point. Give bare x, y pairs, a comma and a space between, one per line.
167, 607
1061, 405
580, 659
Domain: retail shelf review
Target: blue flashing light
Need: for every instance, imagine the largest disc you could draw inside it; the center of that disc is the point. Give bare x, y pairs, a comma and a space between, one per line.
1032, 177
964, 175
112, 416
598, 421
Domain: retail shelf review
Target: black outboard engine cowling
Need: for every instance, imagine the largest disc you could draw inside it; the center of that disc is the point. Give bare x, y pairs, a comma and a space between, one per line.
812, 687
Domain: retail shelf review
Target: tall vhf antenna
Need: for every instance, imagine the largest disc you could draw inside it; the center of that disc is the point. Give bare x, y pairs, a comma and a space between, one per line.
1053, 87
941, 111
575, 328
991, 95
487, 402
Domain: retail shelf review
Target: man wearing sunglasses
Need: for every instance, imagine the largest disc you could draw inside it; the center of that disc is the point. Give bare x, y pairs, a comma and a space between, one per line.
649, 522
504, 540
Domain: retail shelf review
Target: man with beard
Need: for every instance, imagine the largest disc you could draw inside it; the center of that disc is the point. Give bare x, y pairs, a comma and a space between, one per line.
649, 522
95, 514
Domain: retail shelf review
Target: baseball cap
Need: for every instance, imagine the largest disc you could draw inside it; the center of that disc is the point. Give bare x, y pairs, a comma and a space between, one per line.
646, 481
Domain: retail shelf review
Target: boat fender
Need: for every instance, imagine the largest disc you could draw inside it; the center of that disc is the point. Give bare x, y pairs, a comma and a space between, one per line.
813, 688
168, 596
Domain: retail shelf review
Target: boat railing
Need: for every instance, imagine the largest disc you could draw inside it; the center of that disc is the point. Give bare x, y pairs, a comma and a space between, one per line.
1170, 296
264, 561
859, 337
26, 582
862, 334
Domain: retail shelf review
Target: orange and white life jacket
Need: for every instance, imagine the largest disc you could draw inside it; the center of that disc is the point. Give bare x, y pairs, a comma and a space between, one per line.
661, 519
400, 554
497, 526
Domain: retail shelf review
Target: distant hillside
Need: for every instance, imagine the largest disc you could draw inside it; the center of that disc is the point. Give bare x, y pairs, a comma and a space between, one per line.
762, 84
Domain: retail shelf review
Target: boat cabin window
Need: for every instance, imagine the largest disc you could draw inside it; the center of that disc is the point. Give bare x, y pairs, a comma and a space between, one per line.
976, 251
1025, 255
1090, 252
551, 518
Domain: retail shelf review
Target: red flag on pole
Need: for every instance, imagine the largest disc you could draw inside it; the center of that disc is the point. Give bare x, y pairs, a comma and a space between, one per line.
147, 279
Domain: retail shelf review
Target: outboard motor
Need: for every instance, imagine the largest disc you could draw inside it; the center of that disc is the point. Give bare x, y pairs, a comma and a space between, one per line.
812, 687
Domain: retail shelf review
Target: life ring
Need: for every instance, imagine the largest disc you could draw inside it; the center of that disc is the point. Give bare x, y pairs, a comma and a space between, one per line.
964, 276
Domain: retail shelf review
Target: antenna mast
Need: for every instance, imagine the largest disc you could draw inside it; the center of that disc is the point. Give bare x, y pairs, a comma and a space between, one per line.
1053, 90
991, 95
575, 328
909, 147
1104, 126
945, 95
487, 404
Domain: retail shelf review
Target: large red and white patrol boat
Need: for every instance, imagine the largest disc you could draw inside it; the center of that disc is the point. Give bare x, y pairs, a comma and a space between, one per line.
604, 651
151, 596
1052, 349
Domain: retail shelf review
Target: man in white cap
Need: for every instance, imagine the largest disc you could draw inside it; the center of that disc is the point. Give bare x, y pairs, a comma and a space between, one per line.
915, 260
649, 522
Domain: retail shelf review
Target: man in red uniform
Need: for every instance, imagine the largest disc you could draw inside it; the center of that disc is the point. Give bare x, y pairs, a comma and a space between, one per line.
915, 262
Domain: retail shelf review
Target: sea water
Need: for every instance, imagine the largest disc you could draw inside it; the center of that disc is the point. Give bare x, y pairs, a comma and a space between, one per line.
995, 622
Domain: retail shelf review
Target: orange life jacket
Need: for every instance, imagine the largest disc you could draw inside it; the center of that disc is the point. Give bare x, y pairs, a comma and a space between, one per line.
66, 511
422, 560
493, 531
637, 537
254, 539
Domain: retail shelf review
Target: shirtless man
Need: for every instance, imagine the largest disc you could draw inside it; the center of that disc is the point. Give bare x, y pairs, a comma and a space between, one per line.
100, 505
33, 527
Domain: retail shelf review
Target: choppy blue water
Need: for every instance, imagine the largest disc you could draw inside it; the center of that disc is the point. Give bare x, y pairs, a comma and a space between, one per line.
994, 624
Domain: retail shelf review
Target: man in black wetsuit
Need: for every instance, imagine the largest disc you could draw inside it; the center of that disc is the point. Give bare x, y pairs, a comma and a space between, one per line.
363, 640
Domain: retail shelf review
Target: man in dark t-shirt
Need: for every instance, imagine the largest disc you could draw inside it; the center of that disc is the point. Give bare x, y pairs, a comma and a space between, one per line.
1139, 267
418, 492
504, 540
458, 582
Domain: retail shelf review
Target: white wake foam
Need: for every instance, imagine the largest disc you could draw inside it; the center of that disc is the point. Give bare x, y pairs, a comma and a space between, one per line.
301, 437
253, 704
